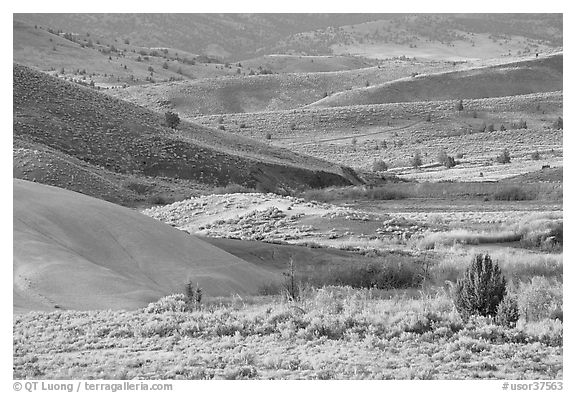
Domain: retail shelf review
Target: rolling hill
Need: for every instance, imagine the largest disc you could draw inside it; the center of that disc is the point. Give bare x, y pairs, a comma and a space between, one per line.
124, 138
109, 63
230, 36
240, 36
76, 252
259, 93
535, 75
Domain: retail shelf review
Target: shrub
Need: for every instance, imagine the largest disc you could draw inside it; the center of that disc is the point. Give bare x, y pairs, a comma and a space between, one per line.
558, 124
429, 117
540, 298
535, 155
193, 295
446, 160
513, 193
291, 288
460, 106
416, 160
502, 127
292, 126
507, 311
481, 289
379, 166
268, 136
176, 302
490, 128
504, 157
172, 119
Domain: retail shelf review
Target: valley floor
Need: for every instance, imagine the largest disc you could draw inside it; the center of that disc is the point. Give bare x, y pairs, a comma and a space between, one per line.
332, 333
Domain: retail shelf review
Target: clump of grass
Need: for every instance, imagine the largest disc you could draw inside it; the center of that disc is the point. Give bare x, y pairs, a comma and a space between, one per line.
432, 240
512, 193
516, 265
375, 194
540, 298
392, 274
233, 188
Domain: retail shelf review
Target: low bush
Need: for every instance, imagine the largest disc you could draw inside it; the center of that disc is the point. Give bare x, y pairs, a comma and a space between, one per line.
379, 166
540, 298
504, 157
175, 303
512, 193
172, 119
507, 311
233, 188
380, 275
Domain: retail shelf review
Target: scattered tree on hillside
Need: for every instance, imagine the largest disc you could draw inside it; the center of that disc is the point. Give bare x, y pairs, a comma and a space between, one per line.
460, 106
165, 65
172, 119
429, 117
445, 159
502, 128
558, 124
490, 128
379, 166
416, 160
535, 155
504, 157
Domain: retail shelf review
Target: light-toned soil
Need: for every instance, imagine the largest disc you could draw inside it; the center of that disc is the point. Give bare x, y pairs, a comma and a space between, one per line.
73, 251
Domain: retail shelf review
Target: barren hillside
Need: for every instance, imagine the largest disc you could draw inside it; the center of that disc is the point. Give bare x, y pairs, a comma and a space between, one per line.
76, 252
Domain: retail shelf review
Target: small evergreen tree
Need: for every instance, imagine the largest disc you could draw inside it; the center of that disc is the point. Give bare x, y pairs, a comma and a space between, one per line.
481, 289
460, 106
445, 159
504, 157
416, 160
379, 166
291, 289
507, 312
172, 119
558, 124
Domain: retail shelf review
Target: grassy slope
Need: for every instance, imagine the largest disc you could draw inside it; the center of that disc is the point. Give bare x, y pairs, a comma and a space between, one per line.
283, 63
329, 132
83, 253
266, 92
525, 77
125, 138
36, 47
